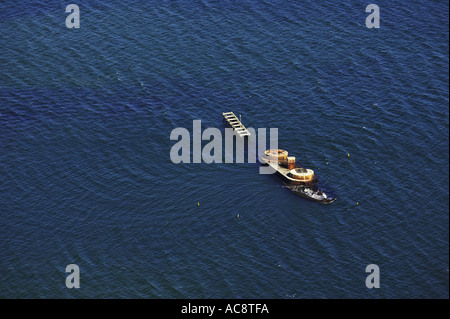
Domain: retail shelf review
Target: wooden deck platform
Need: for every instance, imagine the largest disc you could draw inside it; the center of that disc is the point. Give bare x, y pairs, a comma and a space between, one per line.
236, 124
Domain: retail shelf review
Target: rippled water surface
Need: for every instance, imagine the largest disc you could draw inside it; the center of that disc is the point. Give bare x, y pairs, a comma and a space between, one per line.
86, 177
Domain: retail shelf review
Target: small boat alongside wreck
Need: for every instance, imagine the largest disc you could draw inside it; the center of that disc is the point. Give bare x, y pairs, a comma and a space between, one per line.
301, 180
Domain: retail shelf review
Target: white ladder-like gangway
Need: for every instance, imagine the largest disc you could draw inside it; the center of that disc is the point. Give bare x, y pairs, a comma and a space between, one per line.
236, 124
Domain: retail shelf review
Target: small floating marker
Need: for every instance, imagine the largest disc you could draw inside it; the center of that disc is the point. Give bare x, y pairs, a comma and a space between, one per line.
237, 215
357, 203
198, 204
348, 154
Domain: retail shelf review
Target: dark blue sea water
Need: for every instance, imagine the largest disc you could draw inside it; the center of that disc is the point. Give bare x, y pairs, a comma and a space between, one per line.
86, 177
